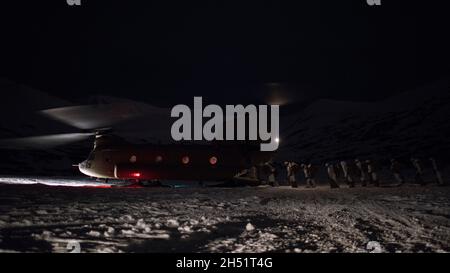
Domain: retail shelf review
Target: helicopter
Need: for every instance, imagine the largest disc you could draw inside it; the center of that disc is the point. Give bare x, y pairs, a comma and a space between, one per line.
113, 158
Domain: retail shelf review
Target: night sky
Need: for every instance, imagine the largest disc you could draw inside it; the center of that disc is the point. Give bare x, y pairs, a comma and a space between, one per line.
227, 52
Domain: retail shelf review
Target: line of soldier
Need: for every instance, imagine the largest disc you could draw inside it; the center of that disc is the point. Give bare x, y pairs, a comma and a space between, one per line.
366, 172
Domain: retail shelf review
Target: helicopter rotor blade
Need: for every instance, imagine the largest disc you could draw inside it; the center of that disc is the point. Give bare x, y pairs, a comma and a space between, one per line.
89, 117
42, 142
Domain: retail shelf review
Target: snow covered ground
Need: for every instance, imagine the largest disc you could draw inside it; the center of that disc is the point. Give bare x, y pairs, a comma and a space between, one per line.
39, 218
52, 181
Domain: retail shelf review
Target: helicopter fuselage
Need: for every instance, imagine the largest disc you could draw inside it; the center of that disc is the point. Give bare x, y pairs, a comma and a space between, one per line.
171, 162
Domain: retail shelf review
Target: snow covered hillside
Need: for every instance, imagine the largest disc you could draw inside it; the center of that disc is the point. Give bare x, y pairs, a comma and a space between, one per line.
412, 123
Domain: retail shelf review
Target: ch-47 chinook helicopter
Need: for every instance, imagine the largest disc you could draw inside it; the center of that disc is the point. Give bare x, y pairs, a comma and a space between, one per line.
113, 158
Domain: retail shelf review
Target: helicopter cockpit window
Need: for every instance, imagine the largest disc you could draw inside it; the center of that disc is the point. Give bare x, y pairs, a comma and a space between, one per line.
213, 160
185, 159
133, 159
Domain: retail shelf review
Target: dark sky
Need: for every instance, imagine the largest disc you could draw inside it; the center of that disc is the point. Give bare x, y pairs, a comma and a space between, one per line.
225, 51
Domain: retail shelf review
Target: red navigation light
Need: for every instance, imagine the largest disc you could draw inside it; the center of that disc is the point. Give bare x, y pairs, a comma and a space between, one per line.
213, 160
136, 174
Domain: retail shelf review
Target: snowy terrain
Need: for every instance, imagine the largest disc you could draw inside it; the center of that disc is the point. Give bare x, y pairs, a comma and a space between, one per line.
38, 218
53, 181
414, 123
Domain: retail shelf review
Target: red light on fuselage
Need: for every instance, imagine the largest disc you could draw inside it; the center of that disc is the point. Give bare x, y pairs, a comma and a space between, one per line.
136, 174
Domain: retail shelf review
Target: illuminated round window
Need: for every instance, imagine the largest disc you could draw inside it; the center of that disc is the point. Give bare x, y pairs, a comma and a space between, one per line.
158, 159
133, 159
185, 159
213, 160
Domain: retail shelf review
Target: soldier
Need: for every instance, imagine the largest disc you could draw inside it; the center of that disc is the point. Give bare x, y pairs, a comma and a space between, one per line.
419, 171
305, 172
270, 167
308, 172
253, 173
352, 172
332, 176
436, 171
362, 172
338, 171
291, 169
347, 176
371, 171
396, 171
312, 172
